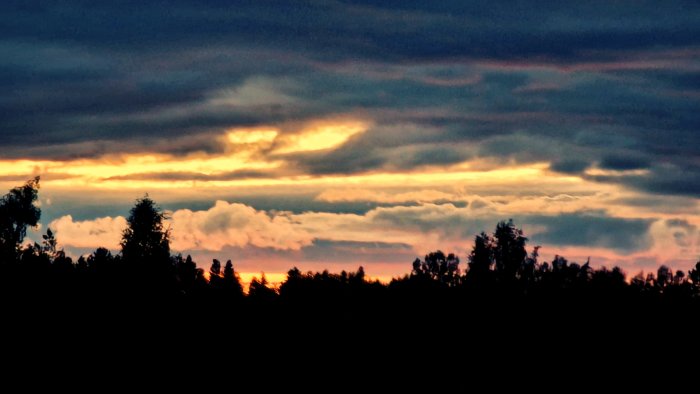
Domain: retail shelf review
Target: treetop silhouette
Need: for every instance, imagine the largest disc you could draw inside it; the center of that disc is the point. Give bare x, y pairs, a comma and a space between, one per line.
18, 210
499, 272
145, 238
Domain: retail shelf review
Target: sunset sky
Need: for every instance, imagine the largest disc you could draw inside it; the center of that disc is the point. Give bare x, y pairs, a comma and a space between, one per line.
333, 134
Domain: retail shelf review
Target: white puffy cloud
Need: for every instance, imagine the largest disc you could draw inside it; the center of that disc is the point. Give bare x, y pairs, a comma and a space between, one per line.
233, 224
104, 231
222, 225
422, 227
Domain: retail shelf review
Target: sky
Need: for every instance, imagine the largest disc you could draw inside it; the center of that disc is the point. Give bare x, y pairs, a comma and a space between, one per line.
333, 134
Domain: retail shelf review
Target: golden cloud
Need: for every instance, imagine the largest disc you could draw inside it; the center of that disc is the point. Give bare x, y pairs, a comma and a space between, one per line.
105, 232
238, 225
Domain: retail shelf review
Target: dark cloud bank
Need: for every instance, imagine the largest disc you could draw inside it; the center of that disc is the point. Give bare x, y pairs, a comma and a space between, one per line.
613, 86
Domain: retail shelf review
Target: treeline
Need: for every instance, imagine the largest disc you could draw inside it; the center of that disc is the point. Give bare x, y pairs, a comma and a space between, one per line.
499, 272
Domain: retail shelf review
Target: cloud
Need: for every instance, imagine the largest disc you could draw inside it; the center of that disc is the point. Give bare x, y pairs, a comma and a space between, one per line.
104, 231
235, 225
580, 87
393, 231
220, 226
624, 163
676, 241
257, 92
344, 195
453, 114
319, 136
680, 179
570, 166
596, 230
197, 176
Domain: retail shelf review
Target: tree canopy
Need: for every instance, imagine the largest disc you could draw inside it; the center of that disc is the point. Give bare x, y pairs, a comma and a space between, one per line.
500, 274
18, 210
145, 238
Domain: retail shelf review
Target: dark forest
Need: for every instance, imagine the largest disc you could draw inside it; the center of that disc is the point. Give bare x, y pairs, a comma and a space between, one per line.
502, 300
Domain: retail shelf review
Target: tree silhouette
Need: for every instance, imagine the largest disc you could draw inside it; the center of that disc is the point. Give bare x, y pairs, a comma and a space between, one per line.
510, 285
146, 245
186, 272
62, 263
50, 244
509, 250
664, 276
145, 238
438, 267
100, 261
679, 278
528, 270
481, 259
259, 291
215, 274
17, 211
694, 275
358, 277
231, 283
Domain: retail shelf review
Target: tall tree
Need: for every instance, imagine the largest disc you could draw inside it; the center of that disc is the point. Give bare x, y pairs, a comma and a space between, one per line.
186, 272
146, 247
664, 276
231, 283
215, 274
481, 258
694, 275
145, 239
17, 211
509, 250
50, 244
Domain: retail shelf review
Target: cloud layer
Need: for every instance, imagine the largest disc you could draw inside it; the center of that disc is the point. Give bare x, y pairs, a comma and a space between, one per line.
393, 234
327, 124
611, 86
236, 225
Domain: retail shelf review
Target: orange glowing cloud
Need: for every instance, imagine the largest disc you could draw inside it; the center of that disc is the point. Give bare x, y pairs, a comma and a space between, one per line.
351, 194
235, 225
106, 231
319, 136
244, 149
